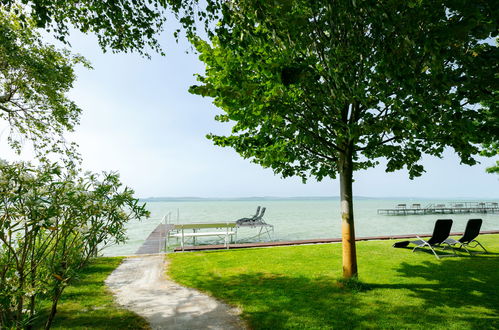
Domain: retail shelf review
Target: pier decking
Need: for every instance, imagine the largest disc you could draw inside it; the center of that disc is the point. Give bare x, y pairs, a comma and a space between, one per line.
156, 241
447, 208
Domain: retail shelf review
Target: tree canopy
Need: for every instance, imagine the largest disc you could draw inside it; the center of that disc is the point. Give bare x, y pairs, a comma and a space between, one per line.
34, 80
119, 25
323, 88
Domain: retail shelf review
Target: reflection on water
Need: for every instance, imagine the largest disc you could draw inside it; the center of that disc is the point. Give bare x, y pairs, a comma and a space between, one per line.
297, 219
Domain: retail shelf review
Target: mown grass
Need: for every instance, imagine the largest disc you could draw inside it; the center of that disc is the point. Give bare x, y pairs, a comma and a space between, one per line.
297, 287
88, 304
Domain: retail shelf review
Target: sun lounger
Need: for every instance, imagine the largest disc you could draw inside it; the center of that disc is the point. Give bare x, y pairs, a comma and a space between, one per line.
251, 219
470, 233
256, 220
441, 232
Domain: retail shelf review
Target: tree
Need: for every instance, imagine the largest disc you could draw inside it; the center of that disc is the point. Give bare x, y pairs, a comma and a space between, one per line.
53, 219
34, 80
324, 88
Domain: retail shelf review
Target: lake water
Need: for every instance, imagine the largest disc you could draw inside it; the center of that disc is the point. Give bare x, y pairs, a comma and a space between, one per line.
296, 219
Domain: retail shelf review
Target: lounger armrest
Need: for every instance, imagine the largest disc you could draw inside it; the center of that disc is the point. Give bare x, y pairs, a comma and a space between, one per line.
419, 242
451, 241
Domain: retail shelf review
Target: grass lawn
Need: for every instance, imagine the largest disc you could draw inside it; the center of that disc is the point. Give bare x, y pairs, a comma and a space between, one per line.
297, 287
88, 304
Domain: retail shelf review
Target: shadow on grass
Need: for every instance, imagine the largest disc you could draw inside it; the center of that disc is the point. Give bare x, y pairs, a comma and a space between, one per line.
460, 290
277, 302
97, 319
445, 252
87, 304
458, 282
451, 293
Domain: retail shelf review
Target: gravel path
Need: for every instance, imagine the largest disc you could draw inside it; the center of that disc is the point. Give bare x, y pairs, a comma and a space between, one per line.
139, 284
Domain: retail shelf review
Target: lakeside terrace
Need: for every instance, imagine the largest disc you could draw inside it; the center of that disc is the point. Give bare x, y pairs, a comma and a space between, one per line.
156, 242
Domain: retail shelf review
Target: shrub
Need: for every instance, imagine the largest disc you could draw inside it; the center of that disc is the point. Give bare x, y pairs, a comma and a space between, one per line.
52, 222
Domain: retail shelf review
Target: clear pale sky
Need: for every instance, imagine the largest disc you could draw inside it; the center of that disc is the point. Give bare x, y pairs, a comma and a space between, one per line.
138, 119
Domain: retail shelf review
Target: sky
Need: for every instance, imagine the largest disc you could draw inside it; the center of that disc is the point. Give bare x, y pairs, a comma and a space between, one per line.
140, 120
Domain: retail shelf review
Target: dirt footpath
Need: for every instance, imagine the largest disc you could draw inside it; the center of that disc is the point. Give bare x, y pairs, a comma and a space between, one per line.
139, 284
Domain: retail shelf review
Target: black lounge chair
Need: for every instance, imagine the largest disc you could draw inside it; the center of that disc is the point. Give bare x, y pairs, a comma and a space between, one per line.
257, 216
470, 233
256, 220
440, 234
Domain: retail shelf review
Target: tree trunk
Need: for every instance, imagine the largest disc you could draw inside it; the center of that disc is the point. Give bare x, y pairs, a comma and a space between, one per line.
53, 310
347, 224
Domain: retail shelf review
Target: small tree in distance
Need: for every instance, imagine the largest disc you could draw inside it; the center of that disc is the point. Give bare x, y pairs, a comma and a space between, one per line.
325, 88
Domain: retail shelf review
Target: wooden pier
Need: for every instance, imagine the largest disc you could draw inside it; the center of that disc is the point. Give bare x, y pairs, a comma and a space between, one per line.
156, 241
443, 208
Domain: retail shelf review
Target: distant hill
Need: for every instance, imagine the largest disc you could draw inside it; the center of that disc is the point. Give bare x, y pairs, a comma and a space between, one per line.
299, 198
256, 198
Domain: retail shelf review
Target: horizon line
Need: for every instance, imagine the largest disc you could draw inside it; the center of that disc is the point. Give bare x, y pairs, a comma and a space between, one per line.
309, 197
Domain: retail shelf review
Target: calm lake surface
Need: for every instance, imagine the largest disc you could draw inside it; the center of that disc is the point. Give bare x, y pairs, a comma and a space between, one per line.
296, 219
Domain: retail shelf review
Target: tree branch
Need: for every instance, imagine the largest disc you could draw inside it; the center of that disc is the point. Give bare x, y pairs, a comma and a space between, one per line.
377, 144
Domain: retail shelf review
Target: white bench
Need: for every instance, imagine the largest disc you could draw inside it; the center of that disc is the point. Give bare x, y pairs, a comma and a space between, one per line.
182, 232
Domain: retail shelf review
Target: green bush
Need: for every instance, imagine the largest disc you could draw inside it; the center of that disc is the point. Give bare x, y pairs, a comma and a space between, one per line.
52, 222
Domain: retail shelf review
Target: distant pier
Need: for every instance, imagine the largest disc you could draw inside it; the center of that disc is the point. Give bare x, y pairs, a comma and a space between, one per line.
442, 208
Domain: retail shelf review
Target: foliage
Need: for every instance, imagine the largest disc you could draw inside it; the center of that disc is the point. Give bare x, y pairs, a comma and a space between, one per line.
87, 303
396, 81
52, 221
494, 168
297, 288
119, 25
490, 151
321, 88
34, 80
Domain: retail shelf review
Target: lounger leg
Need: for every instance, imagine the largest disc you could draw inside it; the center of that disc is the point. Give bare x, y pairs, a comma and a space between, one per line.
464, 247
453, 251
436, 255
476, 244
481, 246
429, 246
182, 240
